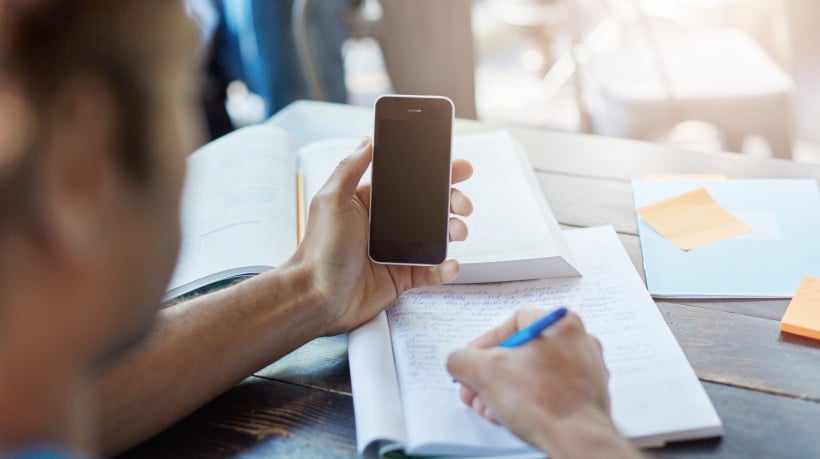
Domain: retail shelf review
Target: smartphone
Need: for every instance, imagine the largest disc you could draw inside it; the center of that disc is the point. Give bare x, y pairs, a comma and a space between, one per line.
410, 193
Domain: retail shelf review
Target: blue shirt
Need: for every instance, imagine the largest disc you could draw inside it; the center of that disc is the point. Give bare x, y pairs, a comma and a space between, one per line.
42, 452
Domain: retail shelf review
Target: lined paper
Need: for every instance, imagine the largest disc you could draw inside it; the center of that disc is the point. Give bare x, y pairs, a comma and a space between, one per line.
656, 396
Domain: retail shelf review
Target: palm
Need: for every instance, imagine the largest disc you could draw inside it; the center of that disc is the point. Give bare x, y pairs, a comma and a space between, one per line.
335, 245
358, 282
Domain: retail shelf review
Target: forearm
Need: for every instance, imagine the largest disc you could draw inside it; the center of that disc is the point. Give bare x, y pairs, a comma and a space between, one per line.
201, 348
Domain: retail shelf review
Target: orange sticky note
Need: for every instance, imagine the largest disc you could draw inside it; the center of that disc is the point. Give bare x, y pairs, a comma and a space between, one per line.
802, 317
692, 220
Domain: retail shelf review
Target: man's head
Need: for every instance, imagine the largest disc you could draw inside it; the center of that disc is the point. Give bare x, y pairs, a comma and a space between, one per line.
96, 116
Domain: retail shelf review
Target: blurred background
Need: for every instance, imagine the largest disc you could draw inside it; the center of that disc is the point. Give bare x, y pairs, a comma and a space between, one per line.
706, 75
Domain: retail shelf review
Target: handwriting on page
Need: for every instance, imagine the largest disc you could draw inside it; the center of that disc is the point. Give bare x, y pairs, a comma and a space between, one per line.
427, 324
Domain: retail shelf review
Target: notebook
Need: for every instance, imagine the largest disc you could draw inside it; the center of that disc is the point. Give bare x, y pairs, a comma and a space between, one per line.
404, 399
768, 262
246, 197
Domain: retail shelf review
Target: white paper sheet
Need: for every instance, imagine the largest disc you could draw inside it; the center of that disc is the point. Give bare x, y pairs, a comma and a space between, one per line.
238, 208
656, 396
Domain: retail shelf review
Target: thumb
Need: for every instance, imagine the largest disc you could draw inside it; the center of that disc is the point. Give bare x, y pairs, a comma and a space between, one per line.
349, 171
424, 276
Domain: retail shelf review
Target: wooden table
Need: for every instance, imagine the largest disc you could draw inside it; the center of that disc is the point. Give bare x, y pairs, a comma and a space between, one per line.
765, 385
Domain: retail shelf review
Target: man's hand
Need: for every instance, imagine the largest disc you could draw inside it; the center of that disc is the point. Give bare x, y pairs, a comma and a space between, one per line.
353, 288
552, 392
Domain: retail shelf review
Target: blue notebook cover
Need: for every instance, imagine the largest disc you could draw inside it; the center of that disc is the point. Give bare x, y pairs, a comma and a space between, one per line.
769, 262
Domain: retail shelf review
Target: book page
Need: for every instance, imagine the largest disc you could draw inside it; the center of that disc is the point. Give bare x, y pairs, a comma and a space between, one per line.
238, 208
655, 393
377, 405
318, 160
507, 223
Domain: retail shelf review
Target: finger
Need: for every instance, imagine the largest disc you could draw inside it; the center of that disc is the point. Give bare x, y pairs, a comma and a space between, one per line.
491, 416
479, 406
466, 394
349, 171
363, 193
460, 204
569, 325
520, 319
458, 230
423, 276
463, 365
496, 335
462, 170
598, 345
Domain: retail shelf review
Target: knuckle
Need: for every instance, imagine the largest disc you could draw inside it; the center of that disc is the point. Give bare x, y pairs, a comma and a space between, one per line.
572, 324
532, 311
431, 276
598, 345
315, 205
322, 199
343, 163
492, 366
452, 362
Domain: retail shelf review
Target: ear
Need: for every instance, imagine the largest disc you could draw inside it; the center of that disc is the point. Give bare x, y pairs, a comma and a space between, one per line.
17, 120
80, 184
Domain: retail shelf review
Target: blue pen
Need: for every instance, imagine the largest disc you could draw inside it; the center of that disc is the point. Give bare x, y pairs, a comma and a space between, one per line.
534, 330
525, 335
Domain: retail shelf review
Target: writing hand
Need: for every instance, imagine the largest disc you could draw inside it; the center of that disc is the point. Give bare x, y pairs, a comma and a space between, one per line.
547, 391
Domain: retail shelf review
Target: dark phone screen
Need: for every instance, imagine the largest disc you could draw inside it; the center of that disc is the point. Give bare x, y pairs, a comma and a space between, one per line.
411, 182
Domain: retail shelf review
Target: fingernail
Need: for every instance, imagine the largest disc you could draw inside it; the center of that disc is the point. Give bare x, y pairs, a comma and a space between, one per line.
363, 143
479, 406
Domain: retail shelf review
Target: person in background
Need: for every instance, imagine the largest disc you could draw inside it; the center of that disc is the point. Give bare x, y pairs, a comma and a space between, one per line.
96, 119
252, 41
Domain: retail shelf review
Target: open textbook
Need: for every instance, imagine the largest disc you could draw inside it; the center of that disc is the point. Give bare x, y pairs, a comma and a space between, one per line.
246, 195
404, 399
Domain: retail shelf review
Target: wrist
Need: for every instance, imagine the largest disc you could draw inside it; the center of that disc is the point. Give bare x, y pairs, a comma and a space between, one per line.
587, 433
328, 301
289, 290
